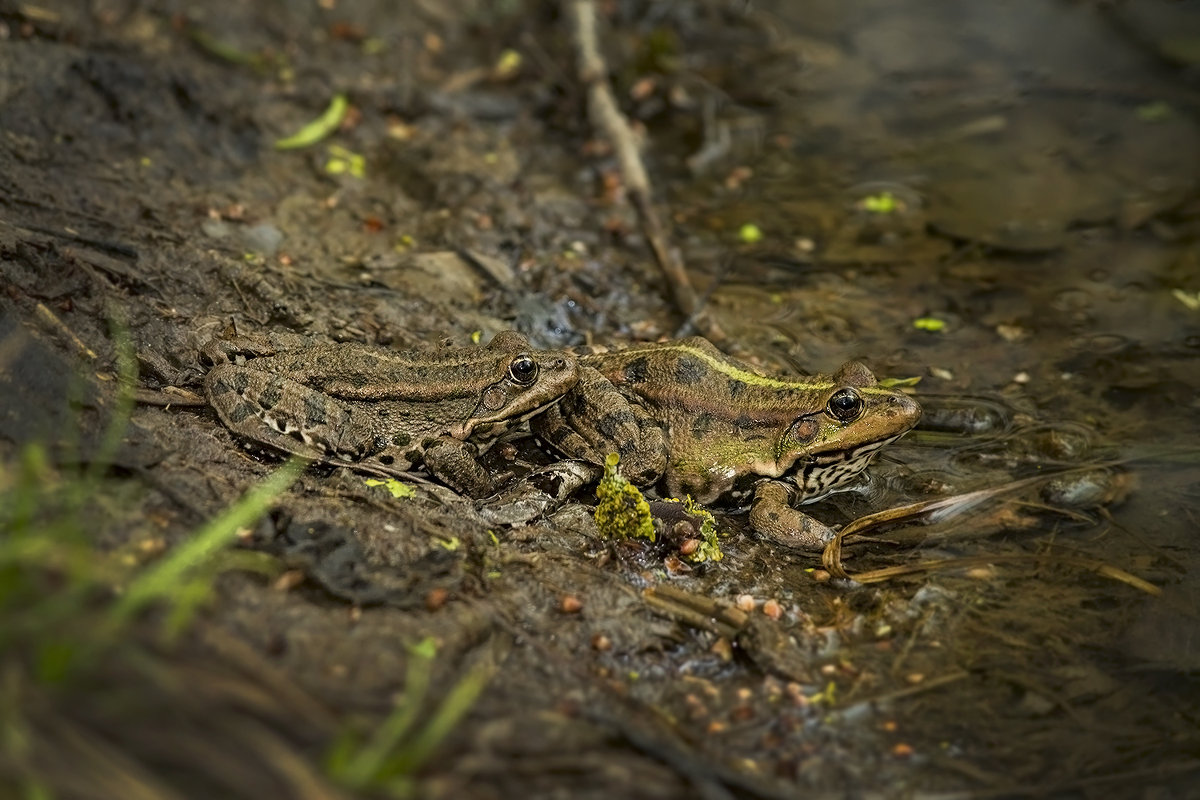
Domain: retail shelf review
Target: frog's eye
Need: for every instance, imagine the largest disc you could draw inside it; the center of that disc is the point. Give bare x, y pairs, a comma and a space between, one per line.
845, 405
523, 369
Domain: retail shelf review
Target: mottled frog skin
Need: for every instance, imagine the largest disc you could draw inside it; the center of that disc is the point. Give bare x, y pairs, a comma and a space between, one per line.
686, 417
379, 410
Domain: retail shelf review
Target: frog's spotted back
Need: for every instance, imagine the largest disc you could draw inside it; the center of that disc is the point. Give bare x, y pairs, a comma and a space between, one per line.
725, 427
381, 410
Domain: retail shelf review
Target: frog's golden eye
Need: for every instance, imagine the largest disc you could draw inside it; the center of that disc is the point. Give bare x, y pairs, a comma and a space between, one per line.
845, 405
523, 369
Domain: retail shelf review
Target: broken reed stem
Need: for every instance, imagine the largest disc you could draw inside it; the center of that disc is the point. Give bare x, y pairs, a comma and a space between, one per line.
607, 117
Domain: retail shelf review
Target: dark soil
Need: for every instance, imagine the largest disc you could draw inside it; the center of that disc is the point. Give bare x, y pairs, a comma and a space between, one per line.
1045, 160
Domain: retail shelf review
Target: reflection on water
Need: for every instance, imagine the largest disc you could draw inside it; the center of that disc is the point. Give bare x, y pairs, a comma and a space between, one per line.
1024, 174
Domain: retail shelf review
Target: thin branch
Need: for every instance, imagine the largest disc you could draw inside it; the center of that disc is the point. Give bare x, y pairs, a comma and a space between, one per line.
607, 117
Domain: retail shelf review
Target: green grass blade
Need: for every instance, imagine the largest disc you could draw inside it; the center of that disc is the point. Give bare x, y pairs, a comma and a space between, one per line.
114, 434
165, 578
456, 705
372, 760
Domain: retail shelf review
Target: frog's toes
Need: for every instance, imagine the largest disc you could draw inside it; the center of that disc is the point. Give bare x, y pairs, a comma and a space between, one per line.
538, 494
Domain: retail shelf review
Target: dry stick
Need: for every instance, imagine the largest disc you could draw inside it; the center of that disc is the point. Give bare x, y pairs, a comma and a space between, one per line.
605, 115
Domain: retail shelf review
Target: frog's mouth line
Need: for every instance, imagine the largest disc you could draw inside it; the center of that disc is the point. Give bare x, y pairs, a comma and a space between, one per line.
853, 454
488, 429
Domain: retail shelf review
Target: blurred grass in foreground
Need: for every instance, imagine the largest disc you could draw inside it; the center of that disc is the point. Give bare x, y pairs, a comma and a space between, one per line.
67, 609
111, 686
386, 759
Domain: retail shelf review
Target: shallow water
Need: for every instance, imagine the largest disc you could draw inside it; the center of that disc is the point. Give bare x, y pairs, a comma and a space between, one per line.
1041, 164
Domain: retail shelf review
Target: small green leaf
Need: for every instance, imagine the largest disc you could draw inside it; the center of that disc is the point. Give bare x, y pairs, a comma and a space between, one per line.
932, 324
750, 233
397, 489
319, 128
882, 203
1189, 299
342, 161
898, 383
1154, 112
507, 65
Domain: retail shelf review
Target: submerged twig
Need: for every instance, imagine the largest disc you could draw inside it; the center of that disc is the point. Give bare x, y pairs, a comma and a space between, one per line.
971, 562
605, 115
61, 328
928, 511
943, 508
169, 397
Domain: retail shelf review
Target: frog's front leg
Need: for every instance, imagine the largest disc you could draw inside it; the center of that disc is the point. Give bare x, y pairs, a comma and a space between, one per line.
456, 464
772, 516
595, 419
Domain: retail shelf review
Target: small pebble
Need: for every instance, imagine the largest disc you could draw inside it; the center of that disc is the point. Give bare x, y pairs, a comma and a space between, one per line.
263, 238
742, 714
288, 580
570, 604
436, 598
676, 565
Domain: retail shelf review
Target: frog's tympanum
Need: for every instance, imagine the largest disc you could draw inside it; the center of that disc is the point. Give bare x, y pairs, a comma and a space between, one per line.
384, 411
692, 420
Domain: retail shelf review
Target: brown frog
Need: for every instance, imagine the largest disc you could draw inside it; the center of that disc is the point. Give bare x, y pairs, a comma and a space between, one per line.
384, 411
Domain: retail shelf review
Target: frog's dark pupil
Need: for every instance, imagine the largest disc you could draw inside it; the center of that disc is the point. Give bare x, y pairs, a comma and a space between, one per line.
845, 405
523, 369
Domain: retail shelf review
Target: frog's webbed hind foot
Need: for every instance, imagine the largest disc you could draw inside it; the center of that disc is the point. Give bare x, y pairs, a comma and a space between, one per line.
540, 493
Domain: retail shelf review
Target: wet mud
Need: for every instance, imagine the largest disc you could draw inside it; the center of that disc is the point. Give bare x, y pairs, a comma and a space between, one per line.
1000, 201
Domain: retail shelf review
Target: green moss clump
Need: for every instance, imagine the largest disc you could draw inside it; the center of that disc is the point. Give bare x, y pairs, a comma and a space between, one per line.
622, 512
710, 548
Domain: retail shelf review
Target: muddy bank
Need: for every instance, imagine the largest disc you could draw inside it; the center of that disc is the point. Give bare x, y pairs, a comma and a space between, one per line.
1001, 202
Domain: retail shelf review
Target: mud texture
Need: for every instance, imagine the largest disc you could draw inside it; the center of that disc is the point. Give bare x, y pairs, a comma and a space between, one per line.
1037, 266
